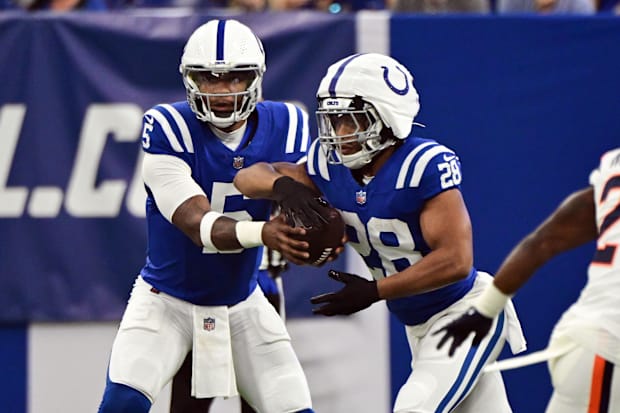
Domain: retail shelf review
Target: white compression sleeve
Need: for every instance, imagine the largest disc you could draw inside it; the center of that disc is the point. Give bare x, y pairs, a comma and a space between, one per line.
170, 180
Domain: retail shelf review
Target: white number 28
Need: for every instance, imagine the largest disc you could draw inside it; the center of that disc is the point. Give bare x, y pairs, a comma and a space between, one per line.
451, 173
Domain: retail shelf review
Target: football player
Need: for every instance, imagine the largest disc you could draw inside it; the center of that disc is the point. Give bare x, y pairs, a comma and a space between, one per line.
586, 341
400, 197
197, 290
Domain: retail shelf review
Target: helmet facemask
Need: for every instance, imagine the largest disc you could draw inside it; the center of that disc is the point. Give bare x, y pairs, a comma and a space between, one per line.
364, 127
205, 105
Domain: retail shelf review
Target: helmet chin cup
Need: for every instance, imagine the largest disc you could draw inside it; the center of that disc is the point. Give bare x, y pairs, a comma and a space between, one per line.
356, 160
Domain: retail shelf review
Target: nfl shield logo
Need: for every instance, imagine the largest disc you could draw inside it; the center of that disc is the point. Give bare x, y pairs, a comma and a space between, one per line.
209, 323
360, 197
238, 162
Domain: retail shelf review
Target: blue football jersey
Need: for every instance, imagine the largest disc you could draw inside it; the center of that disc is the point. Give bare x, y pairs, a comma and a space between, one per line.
383, 217
174, 264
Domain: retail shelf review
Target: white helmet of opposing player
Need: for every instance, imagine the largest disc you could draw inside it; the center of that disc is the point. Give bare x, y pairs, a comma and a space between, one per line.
223, 48
370, 91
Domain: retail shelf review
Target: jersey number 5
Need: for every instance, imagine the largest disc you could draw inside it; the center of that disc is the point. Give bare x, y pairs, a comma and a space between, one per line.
219, 193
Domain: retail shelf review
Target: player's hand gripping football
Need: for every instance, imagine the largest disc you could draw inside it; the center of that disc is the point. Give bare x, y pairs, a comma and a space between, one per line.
299, 204
462, 327
278, 235
358, 293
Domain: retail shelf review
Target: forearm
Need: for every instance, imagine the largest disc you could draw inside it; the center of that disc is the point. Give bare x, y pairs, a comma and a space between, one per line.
521, 264
437, 269
517, 268
257, 180
214, 231
570, 225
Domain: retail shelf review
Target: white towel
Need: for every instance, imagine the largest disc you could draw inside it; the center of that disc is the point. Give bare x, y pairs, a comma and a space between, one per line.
213, 373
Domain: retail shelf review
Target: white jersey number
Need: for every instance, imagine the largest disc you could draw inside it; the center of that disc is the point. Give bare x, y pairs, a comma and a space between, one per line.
450, 174
219, 193
605, 253
391, 238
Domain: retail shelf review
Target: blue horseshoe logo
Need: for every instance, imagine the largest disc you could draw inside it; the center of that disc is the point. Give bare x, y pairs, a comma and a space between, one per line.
396, 90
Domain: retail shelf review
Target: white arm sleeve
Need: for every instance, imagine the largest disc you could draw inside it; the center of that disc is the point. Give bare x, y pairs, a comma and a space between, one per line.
170, 180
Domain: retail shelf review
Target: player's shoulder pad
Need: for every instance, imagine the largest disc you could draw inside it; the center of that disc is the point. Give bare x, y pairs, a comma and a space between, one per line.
166, 129
317, 165
609, 165
422, 153
611, 159
294, 120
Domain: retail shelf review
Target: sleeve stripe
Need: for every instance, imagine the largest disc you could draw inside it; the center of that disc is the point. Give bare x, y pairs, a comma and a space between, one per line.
400, 182
292, 128
322, 162
315, 154
305, 133
178, 119
310, 154
420, 165
161, 119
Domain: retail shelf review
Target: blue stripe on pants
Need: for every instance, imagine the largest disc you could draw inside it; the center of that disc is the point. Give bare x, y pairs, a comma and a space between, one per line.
468, 359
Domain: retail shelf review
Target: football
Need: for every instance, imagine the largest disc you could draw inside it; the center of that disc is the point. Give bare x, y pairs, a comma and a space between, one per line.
325, 239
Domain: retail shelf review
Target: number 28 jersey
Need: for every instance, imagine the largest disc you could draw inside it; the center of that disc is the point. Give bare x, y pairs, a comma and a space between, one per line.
383, 217
174, 264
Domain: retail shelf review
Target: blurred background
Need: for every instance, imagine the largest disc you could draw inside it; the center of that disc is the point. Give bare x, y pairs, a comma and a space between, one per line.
526, 93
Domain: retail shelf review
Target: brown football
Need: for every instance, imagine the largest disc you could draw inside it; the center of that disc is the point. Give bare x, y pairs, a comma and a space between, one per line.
323, 240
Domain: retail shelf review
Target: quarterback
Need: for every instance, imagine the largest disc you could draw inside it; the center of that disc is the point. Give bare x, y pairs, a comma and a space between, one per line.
198, 288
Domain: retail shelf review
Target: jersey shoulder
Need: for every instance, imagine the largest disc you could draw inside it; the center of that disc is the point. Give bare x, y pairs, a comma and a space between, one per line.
609, 167
168, 129
610, 162
418, 162
316, 164
426, 166
606, 181
283, 125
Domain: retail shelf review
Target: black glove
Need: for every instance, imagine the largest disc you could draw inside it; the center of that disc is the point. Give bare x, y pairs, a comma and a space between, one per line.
358, 293
299, 204
462, 327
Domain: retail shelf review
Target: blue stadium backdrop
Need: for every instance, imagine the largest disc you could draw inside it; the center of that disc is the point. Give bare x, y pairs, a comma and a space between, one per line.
529, 103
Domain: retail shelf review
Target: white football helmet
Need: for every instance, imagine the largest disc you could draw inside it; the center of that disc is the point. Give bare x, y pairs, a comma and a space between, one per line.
223, 48
370, 91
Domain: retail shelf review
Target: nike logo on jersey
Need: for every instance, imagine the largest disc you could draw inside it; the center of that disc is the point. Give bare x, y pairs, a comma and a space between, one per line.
448, 158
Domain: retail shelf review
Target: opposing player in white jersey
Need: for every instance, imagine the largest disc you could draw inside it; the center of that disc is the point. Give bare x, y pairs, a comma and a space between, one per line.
585, 343
400, 198
198, 289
